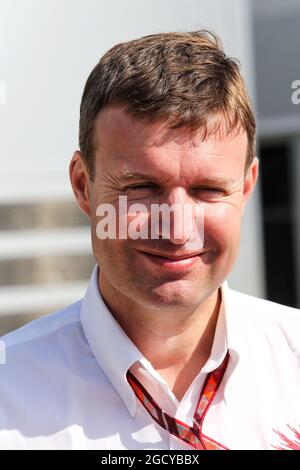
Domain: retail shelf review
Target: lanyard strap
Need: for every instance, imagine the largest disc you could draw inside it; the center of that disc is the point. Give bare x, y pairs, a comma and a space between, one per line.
191, 435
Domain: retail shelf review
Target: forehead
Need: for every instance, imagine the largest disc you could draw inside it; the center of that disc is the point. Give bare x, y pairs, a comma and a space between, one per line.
125, 145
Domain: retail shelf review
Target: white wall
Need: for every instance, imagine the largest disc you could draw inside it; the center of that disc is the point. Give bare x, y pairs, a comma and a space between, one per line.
277, 39
48, 48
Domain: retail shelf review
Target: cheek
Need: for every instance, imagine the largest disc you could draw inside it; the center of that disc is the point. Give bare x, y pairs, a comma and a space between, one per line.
111, 252
221, 225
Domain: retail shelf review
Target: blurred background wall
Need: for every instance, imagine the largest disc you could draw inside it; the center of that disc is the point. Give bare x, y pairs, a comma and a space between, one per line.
276, 27
47, 50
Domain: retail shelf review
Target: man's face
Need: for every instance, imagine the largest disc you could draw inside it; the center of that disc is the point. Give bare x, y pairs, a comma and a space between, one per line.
178, 167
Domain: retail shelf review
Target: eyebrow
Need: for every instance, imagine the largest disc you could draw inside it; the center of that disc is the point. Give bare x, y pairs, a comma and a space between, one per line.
208, 181
136, 176
218, 181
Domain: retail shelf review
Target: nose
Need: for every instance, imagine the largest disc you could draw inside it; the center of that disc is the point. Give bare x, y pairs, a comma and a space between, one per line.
175, 219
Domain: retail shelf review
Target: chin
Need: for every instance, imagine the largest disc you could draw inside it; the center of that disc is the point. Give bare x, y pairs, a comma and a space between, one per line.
170, 296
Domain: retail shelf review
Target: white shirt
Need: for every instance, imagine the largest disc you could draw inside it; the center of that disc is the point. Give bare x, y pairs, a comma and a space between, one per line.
64, 385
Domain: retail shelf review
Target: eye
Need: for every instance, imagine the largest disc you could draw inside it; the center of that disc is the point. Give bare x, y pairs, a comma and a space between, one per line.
212, 190
209, 192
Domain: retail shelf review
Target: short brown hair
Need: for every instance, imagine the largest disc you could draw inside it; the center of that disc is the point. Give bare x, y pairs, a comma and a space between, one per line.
184, 78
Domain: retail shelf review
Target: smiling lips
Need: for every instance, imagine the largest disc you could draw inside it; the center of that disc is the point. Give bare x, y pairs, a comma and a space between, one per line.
172, 262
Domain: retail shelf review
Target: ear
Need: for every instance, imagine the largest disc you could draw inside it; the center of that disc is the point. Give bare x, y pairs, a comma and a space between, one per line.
80, 182
250, 180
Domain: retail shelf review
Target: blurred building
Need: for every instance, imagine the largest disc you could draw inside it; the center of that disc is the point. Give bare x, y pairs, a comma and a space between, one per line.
277, 67
47, 50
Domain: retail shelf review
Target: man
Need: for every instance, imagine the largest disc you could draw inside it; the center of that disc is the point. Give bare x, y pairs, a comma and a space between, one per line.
160, 353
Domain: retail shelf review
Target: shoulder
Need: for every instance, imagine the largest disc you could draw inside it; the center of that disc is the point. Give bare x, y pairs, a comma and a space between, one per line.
274, 321
42, 328
264, 309
39, 364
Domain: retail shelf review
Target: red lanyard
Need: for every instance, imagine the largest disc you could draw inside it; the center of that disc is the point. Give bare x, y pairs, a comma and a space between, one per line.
191, 435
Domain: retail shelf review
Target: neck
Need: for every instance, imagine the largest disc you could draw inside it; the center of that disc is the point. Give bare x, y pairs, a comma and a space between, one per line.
176, 343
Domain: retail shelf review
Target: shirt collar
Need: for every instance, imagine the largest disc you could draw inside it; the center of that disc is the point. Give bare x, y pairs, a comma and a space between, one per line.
219, 347
114, 350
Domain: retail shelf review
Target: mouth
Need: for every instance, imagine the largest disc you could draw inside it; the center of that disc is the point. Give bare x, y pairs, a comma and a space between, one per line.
171, 262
